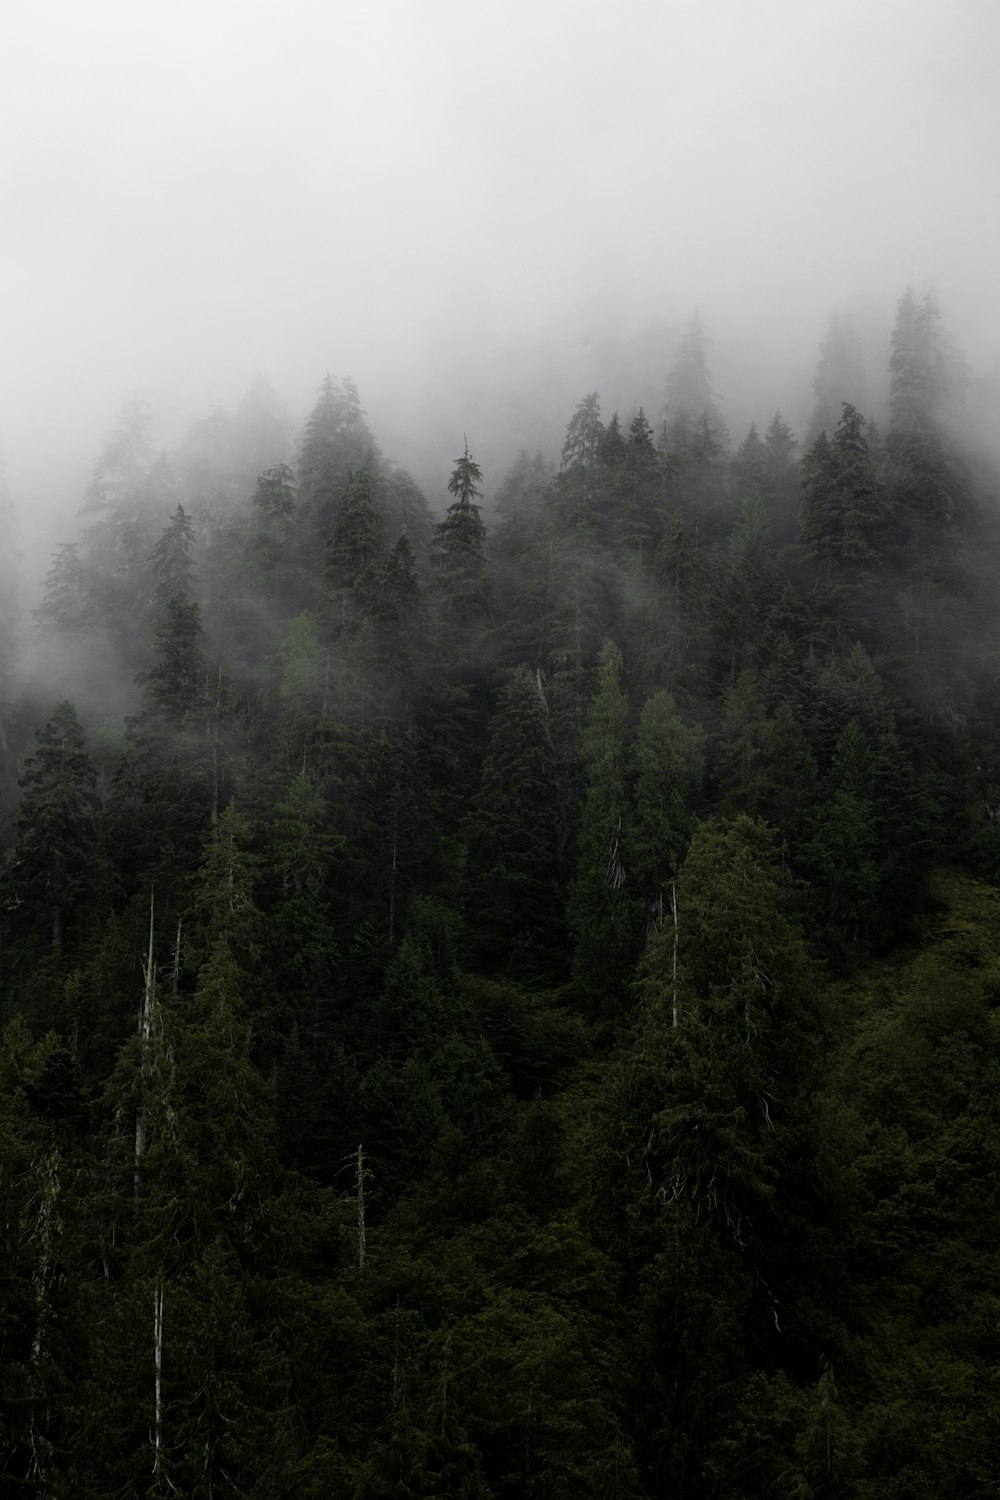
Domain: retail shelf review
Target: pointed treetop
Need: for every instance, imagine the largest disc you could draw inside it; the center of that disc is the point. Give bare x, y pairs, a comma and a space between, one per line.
466, 478
584, 434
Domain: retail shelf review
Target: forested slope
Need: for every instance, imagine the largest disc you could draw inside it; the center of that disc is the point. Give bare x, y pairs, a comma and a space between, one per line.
509, 1008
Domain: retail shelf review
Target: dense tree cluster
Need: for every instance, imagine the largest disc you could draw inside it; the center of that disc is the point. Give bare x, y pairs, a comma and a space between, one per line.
502, 1003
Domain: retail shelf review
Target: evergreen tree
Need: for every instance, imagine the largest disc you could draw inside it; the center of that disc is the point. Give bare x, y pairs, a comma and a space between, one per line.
171, 565
356, 537
336, 439
274, 497
639, 488
667, 767
749, 588
52, 865
714, 1105
602, 909
843, 856
779, 479
578, 491
844, 508
922, 479
463, 581
512, 869
173, 685
406, 509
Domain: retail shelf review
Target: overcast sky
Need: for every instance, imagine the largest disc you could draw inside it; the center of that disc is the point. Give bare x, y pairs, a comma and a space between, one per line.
451, 201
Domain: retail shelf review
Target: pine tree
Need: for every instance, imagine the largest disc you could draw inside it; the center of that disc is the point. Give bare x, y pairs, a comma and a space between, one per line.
173, 685
193, 1370
712, 1117
406, 509
639, 489
667, 769
171, 565
749, 588
274, 497
602, 909
511, 832
578, 491
463, 582
779, 479
843, 855
356, 538
844, 505
336, 439
53, 862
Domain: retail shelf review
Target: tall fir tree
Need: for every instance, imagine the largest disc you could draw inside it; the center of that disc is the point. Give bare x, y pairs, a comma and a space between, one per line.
462, 577
52, 865
602, 910
512, 870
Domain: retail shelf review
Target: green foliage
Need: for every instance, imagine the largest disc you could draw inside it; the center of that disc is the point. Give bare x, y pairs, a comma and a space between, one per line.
55, 855
423, 1071
601, 910
356, 536
667, 768
844, 506
512, 868
462, 575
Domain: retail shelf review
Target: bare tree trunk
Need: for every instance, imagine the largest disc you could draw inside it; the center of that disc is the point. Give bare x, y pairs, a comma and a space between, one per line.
145, 1034
360, 1186
158, 1378
176, 975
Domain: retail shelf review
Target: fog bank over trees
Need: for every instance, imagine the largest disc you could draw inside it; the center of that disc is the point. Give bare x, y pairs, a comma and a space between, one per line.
455, 204
499, 772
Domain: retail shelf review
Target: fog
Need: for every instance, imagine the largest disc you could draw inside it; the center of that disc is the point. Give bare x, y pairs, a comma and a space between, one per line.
479, 213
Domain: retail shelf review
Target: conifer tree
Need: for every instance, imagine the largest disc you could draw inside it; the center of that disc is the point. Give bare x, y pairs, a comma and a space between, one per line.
933, 506
53, 861
578, 492
843, 855
511, 831
667, 769
714, 1109
171, 565
844, 508
748, 588
356, 537
638, 485
602, 909
335, 440
779, 480
406, 509
463, 581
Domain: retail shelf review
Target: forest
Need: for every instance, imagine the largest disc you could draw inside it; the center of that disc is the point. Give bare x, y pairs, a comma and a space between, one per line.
500, 999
